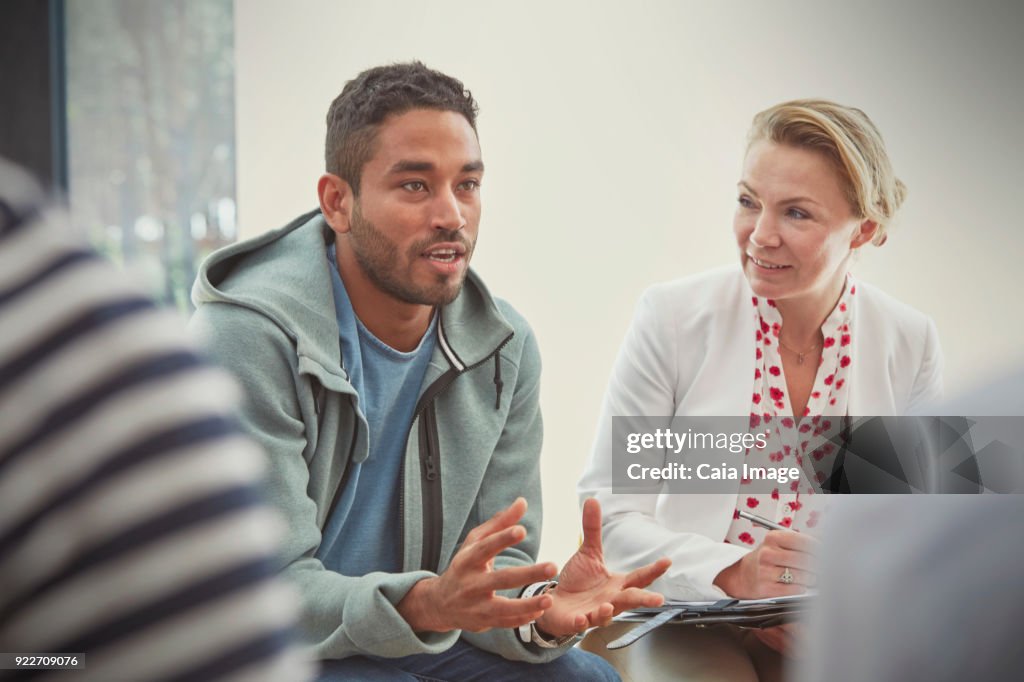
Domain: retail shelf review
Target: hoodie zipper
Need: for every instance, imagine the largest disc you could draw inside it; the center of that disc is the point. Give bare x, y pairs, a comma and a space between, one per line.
430, 456
430, 471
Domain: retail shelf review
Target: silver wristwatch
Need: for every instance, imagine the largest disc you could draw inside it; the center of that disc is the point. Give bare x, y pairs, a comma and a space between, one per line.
529, 634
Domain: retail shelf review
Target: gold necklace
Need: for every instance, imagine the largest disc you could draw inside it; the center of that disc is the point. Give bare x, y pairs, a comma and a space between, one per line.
799, 354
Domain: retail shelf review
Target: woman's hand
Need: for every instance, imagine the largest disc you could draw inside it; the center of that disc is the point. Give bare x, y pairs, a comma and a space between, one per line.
786, 639
757, 574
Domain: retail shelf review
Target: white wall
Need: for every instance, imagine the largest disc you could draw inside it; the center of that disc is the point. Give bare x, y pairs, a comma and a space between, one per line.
613, 140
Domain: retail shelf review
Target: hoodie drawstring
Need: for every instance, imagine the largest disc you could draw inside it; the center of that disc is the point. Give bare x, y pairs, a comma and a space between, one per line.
498, 383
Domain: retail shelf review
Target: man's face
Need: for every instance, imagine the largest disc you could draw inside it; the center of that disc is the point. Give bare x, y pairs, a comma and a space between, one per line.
414, 224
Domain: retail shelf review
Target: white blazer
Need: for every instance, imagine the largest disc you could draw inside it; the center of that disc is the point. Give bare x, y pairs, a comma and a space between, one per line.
690, 352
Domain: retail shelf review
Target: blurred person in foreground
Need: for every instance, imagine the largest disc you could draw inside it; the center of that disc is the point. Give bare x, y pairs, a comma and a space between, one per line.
929, 587
132, 530
789, 338
397, 400
920, 588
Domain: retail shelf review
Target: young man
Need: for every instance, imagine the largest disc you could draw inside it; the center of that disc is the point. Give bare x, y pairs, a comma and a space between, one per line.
398, 403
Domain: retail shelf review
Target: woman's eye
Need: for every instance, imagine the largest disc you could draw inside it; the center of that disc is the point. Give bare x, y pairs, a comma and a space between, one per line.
745, 202
797, 214
414, 186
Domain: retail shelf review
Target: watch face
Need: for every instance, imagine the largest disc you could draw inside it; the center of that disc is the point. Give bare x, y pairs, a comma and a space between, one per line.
541, 641
529, 634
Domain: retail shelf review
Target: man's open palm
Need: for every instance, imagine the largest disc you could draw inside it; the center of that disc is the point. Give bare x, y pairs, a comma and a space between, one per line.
587, 594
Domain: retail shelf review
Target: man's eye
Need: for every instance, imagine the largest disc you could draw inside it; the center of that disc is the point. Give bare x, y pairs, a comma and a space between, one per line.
469, 185
414, 186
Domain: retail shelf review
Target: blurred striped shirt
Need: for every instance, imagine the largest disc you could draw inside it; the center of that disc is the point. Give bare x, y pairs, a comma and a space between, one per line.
131, 525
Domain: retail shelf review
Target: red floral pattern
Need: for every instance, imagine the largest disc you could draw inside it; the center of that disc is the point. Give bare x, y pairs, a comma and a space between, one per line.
794, 442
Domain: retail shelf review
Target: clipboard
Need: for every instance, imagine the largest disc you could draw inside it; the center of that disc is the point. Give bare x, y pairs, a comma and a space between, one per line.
744, 613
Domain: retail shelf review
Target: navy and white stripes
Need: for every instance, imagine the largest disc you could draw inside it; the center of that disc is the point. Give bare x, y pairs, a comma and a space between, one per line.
131, 525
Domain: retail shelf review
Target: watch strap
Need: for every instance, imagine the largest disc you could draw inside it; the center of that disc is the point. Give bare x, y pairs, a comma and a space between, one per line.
528, 632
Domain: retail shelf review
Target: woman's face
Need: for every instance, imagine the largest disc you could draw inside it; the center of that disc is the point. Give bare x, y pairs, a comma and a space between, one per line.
794, 227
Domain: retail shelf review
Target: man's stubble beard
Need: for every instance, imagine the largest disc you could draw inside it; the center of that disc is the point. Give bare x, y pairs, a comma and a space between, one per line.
379, 259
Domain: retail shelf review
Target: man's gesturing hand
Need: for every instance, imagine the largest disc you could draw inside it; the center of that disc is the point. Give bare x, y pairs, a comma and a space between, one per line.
462, 598
587, 594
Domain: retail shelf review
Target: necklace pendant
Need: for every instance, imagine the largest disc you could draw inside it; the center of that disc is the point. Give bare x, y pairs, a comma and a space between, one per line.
799, 358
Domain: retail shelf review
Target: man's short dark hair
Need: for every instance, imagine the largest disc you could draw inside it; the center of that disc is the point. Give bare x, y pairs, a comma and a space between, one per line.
375, 94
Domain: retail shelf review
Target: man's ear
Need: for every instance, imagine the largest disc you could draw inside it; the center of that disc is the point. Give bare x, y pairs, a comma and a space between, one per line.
336, 202
865, 233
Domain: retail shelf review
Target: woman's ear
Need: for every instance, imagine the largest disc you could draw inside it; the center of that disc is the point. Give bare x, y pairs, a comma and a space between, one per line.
864, 234
335, 202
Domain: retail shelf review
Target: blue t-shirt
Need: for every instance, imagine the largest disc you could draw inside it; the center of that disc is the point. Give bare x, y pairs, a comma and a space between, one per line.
362, 534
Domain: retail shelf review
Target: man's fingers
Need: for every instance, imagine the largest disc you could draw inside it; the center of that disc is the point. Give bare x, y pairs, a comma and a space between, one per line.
517, 620
503, 519
645, 575
602, 617
488, 547
634, 598
505, 608
603, 612
490, 622
520, 576
565, 623
592, 525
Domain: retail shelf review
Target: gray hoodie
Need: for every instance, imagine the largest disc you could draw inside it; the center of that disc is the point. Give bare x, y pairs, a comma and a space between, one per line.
266, 312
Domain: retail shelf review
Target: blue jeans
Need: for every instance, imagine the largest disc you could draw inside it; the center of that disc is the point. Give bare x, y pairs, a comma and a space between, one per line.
465, 663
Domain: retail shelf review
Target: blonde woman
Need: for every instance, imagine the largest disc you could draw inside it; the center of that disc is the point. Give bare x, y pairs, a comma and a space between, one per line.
788, 333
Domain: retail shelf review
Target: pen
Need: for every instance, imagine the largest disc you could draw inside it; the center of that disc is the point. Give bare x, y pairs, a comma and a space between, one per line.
761, 521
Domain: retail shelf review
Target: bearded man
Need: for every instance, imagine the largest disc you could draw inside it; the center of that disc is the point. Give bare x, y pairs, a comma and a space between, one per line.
397, 400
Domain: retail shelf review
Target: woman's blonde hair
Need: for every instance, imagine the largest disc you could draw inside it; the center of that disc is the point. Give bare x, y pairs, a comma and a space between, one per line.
848, 138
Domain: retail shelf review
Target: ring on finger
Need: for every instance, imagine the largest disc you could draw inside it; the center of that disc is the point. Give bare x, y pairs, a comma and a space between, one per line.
787, 576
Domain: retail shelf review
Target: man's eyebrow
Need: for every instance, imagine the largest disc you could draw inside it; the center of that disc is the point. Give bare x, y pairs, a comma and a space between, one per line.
408, 166
411, 166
